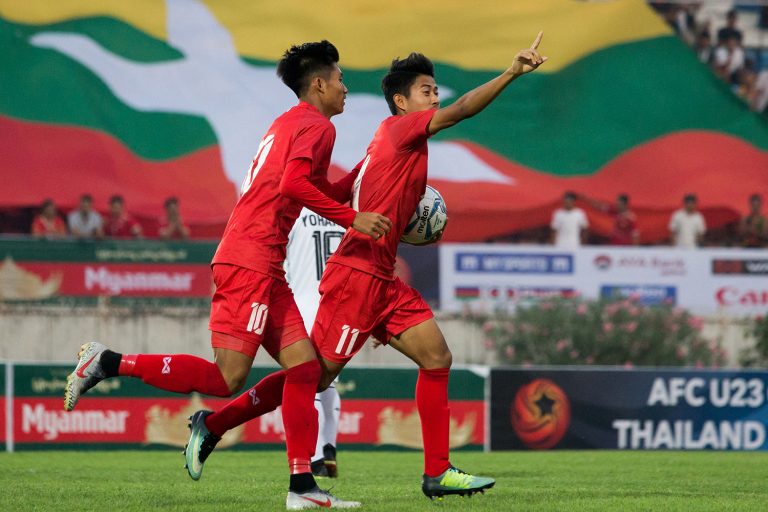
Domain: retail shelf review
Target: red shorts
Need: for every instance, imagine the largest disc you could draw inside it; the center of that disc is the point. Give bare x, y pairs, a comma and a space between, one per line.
254, 308
355, 305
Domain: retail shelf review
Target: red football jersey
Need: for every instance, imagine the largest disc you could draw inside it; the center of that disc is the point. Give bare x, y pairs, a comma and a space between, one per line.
392, 179
257, 231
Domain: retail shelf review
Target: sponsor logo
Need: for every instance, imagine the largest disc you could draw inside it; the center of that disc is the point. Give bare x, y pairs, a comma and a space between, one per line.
541, 413
733, 296
539, 292
166, 365
102, 279
663, 265
53, 423
645, 294
514, 263
751, 267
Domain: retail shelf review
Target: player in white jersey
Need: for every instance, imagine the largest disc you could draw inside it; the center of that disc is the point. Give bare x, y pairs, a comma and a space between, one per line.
311, 242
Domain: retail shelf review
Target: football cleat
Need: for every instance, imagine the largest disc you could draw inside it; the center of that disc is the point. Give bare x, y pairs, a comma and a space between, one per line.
201, 444
87, 374
329, 458
454, 481
316, 498
318, 468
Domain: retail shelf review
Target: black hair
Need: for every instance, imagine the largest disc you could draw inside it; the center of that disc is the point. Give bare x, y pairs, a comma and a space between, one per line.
302, 61
624, 198
46, 203
117, 198
86, 197
171, 200
689, 198
569, 194
402, 73
755, 197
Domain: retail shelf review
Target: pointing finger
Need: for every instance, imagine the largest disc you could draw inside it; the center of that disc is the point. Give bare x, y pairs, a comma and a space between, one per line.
537, 40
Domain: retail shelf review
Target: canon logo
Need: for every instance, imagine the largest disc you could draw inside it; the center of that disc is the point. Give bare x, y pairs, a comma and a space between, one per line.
732, 296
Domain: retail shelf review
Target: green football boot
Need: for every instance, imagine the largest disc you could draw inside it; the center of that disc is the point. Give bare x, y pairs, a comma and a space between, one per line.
201, 444
454, 481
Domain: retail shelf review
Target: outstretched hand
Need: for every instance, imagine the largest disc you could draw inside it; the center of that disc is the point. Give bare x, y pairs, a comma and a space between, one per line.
529, 59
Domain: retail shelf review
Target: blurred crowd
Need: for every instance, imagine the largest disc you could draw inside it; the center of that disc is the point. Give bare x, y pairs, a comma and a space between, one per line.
84, 222
687, 227
722, 44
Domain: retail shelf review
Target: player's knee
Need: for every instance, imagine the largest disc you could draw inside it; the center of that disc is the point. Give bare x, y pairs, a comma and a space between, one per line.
235, 380
437, 359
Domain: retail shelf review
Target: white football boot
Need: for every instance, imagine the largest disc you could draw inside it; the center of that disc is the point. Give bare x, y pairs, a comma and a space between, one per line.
87, 374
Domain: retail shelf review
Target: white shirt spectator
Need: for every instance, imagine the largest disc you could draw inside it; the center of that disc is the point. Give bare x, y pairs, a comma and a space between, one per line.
84, 225
686, 228
567, 225
734, 60
760, 99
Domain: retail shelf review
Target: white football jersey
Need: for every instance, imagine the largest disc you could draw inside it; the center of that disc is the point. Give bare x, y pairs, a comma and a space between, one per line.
311, 242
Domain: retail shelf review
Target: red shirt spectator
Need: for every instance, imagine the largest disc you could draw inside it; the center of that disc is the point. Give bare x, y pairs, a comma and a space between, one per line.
48, 223
119, 224
173, 226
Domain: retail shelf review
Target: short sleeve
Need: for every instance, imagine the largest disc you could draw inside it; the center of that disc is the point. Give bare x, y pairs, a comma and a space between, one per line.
314, 143
410, 130
702, 225
583, 222
673, 222
555, 224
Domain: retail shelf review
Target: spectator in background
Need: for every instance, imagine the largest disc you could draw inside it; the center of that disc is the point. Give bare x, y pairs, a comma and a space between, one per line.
758, 95
85, 222
173, 227
625, 221
119, 224
687, 224
703, 47
729, 30
48, 223
569, 224
729, 59
753, 227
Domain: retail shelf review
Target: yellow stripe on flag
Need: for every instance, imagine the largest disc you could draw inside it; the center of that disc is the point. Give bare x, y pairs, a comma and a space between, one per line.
369, 33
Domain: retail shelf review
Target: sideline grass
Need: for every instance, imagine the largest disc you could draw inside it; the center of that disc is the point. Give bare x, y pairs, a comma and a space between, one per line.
257, 480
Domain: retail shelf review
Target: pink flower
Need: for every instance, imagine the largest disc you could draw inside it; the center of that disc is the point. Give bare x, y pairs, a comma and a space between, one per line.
628, 365
680, 352
581, 309
696, 322
546, 306
574, 354
677, 312
488, 343
510, 351
630, 326
562, 345
699, 364
589, 360
607, 327
488, 326
635, 297
633, 311
510, 328
527, 364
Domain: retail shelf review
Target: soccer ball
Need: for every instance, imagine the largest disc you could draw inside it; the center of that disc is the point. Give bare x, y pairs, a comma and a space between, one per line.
428, 221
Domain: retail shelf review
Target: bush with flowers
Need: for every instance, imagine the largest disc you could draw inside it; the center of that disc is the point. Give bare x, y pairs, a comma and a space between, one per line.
607, 332
757, 354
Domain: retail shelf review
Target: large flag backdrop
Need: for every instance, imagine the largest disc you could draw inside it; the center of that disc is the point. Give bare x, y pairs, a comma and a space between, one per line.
153, 98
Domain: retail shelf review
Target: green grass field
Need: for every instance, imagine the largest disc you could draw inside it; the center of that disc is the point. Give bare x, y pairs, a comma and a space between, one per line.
257, 480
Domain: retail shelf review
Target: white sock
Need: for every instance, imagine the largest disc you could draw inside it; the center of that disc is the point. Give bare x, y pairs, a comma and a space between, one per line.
328, 405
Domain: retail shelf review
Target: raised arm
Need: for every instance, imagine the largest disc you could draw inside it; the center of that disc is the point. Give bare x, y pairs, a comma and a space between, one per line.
477, 99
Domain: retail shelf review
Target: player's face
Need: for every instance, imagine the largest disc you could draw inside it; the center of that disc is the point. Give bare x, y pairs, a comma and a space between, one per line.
336, 91
423, 95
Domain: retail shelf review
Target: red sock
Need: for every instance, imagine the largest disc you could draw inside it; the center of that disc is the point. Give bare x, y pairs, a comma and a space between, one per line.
262, 398
180, 373
432, 403
300, 415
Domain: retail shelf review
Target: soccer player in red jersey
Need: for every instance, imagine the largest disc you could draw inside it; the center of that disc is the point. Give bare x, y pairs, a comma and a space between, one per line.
252, 304
391, 180
360, 295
